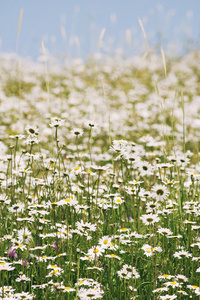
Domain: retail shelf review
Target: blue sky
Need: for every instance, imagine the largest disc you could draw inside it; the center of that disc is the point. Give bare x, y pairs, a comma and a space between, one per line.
73, 27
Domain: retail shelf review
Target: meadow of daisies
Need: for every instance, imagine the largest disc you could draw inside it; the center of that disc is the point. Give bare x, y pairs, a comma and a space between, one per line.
99, 178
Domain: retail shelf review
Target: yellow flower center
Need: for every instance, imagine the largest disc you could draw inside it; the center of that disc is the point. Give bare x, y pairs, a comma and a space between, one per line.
95, 250
113, 255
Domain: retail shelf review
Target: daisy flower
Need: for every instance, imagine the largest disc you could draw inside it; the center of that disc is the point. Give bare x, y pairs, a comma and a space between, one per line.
24, 295
85, 226
182, 292
165, 276
182, 254
118, 200
24, 235
105, 241
56, 122
168, 297
32, 130
198, 270
22, 278
145, 168
4, 266
181, 277
95, 268
88, 294
95, 251
68, 289
173, 284
77, 131
148, 250
128, 272
90, 123
160, 289
164, 231
197, 291
150, 219
113, 256
160, 192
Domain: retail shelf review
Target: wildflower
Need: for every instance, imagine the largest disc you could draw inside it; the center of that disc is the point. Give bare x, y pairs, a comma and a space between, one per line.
148, 250
160, 192
55, 246
90, 124
87, 282
18, 136
124, 229
198, 270
12, 252
113, 256
181, 278
56, 272
91, 293
165, 276
85, 226
179, 236
182, 254
145, 168
32, 130
128, 272
160, 289
105, 241
4, 199
118, 200
182, 292
68, 201
192, 287
25, 263
99, 168
77, 132
95, 251
164, 231
89, 258
24, 295
197, 291
68, 289
168, 297
23, 278
24, 235
31, 140
150, 219
4, 266
194, 227
56, 122
95, 268
173, 284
